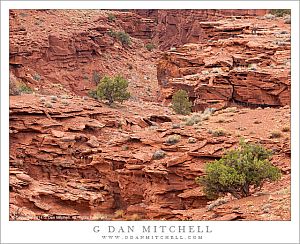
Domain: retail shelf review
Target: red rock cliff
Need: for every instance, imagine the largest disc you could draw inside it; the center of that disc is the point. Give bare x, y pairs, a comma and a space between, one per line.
242, 61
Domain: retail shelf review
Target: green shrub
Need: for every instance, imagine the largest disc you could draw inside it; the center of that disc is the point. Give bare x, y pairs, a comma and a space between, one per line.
113, 89
280, 12
25, 89
36, 77
159, 154
112, 33
218, 132
123, 37
181, 103
194, 119
150, 46
173, 139
237, 171
111, 17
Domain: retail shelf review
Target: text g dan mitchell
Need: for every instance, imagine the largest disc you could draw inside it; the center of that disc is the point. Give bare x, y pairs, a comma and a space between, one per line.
152, 229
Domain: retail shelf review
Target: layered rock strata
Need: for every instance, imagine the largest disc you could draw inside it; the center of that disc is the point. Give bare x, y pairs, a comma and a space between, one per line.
238, 64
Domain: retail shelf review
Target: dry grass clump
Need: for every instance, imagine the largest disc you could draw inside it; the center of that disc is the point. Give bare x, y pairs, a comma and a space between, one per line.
173, 139
275, 134
285, 129
119, 214
159, 154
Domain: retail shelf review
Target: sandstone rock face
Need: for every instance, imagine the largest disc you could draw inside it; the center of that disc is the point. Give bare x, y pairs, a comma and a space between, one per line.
72, 55
178, 27
83, 160
76, 158
71, 172
236, 65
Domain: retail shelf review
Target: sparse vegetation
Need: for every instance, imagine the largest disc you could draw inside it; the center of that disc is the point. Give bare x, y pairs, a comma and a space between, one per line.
96, 77
280, 12
216, 203
173, 139
269, 16
230, 110
150, 46
36, 77
194, 119
237, 171
285, 129
64, 102
123, 37
192, 140
16, 214
119, 214
218, 132
176, 126
252, 67
159, 154
135, 217
25, 89
275, 134
111, 17
48, 105
23, 15
111, 89
53, 98
42, 99
125, 148
181, 103
92, 94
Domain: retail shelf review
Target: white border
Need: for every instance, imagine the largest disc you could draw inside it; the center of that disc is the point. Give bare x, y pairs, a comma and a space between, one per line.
81, 232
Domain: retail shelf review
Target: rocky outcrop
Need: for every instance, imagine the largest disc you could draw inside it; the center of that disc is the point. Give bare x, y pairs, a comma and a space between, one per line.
70, 159
236, 65
72, 56
177, 27
75, 158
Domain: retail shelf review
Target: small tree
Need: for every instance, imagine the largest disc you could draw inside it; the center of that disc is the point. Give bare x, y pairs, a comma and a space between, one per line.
181, 103
237, 170
150, 46
124, 38
113, 89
